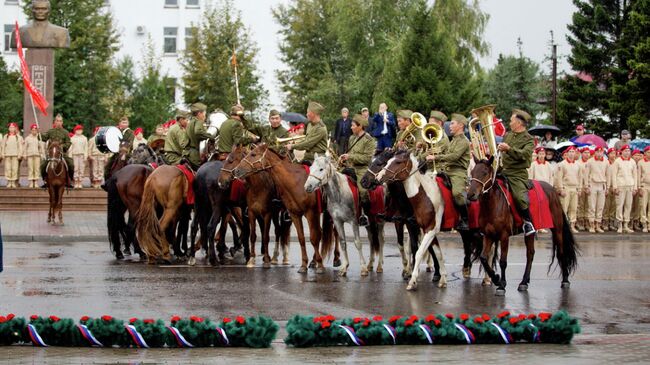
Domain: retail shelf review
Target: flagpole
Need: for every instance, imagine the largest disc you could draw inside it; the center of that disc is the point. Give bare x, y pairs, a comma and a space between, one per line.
234, 61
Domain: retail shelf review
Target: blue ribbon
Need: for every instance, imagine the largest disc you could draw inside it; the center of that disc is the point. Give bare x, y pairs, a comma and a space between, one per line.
85, 332
427, 333
391, 332
36, 338
136, 336
182, 342
353, 336
507, 339
469, 336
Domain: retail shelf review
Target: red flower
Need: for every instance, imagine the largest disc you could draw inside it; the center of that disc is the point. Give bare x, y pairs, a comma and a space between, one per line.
464, 317
85, 319
532, 316
377, 318
106, 318
437, 322
193, 318
408, 322
227, 320
240, 320
478, 320
330, 318
503, 314
514, 320
175, 319
33, 317
325, 324
3, 319
316, 319
394, 319
132, 320
429, 318
413, 318
522, 317
356, 320
543, 316
486, 317
10, 316
148, 320
55, 318
449, 315
366, 322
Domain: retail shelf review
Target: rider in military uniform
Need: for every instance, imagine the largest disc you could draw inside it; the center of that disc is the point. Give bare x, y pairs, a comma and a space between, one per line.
177, 143
274, 130
233, 132
127, 136
406, 139
516, 156
58, 134
361, 148
315, 140
196, 133
454, 162
439, 118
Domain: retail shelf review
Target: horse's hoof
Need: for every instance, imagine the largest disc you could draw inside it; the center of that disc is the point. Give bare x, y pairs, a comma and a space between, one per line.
266, 265
343, 273
191, 261
274, 261
466, 272
364, 272
302, 270
337, 263
312, 264
412, 287
522, 287
486, 282
380, 269
442, 284
285, 262
320, 270
500, 292
429, 269
406, 275
119, 256
436, 278
232, 252
565, 285
127, 252
251, 262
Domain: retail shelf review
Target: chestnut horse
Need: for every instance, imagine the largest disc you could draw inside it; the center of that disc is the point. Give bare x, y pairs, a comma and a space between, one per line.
497, 224
260, 195
289, 180
56, 177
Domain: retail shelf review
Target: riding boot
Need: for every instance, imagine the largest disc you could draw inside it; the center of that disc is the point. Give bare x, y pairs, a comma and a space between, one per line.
528, 222
44, 186
463, 224
363, 218
68, 184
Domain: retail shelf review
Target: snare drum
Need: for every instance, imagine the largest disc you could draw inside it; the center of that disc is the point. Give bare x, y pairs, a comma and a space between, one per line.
108, 139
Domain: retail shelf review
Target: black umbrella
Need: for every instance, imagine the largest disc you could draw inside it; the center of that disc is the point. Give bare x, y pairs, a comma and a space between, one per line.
541, 129
293, 117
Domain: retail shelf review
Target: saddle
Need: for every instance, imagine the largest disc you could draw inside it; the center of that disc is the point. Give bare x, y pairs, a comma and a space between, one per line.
446, 180
186, 169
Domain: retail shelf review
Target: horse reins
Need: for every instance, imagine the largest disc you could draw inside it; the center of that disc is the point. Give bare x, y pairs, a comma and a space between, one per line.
56, 159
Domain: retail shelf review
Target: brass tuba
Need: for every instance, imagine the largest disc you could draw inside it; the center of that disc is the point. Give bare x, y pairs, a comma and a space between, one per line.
417, 121
481, 131
431, 135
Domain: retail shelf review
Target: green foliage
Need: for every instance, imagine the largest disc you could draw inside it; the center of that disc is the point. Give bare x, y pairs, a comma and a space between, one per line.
206, 61
638, 87
11, 101
83, 71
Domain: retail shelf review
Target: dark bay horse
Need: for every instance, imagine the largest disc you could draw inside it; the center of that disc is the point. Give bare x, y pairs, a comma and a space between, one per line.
260, 196
56, 177
121, 160
497, 224
289, 180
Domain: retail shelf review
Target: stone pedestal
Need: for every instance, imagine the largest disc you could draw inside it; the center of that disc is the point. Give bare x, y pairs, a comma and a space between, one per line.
41, 67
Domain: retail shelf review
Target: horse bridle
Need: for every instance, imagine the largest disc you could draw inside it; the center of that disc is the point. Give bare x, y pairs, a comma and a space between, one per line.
395, 173
260, 160
325, 178
55, 159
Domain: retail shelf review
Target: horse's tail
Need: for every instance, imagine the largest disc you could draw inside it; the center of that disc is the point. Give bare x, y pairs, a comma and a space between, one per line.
567, 255
149, 233
115, 215
327, 237
373, 234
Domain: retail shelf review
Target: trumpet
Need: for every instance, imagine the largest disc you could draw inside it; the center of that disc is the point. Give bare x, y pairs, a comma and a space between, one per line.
418, 121
251, 135
288, 139
481, 131
431, 135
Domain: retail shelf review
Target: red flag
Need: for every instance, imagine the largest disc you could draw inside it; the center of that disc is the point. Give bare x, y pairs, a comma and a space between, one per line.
37, 98
499, 128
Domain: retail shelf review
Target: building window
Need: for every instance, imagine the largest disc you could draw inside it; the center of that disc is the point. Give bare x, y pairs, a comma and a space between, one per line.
192, 3
8, 29
171, 3
170, 34
189, 31
11, 2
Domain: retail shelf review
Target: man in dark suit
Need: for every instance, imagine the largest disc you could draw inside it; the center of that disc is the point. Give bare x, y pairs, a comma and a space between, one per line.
383, 127
342, 132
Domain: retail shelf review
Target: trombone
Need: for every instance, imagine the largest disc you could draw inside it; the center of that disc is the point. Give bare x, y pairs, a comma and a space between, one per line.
431, 135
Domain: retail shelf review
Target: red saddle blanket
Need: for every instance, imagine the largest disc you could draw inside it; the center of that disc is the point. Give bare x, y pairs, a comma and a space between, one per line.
377, 197
540, 211
450, 217
237, 190
319, 194
189, 175
355, 195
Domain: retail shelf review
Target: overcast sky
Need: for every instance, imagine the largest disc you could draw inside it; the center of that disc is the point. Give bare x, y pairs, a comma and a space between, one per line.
532, 20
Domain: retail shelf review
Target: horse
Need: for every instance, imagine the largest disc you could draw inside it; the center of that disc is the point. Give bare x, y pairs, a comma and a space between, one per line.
56, 178
289, 180
426, 199
340, 205
166, 189
121, 160
261, 208
497, 224
125, 188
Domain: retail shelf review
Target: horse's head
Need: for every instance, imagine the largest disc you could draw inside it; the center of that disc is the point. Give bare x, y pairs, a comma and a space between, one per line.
142, 155
54, 151
398, 168
320, 172
230, 164
369, 179
257, 160
481, 178
125, 148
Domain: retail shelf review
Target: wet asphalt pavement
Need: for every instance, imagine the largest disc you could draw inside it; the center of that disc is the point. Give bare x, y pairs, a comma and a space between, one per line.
609, 294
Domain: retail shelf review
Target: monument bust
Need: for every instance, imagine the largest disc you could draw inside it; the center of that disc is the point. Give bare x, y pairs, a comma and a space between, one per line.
40, 33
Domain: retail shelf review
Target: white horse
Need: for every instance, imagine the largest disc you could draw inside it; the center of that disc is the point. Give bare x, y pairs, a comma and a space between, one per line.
428, 206
340, 204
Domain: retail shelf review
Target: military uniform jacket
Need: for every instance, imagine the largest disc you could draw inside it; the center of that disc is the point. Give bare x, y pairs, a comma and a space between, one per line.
569, 174
518, 158
12, 145
177, 142
624, 173
643, 174
315, 140
58, 135
542, 171
361, 150
271, 134
196, 133
439, 148
232, 134
596, 172
33, 146
456, 160
410, 141
154, 137
78, 146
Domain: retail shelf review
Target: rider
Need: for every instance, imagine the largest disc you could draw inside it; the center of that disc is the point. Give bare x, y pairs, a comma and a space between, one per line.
439, 118
58, 134
233, 132
454, 163
177, 143
517, 153
406, 139
361, 148
196, 133
315, 140
274, 130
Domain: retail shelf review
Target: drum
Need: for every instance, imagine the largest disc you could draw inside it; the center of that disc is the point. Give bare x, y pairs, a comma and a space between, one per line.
108, 139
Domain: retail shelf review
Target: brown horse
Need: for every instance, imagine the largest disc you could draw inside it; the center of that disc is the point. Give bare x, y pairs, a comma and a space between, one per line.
165, 189
56, 178
289, 180
260, 193
497, 224
121, 160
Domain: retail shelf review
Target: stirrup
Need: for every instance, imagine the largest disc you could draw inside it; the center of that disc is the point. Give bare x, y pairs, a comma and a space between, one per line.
529, 229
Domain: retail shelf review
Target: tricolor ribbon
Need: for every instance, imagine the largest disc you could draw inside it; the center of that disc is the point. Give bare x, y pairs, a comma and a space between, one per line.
507, 339
353, 336
182, 342
224, 337
391, 332
536, 334
469, 336
85, 332
427, 333
35, 337
136, 336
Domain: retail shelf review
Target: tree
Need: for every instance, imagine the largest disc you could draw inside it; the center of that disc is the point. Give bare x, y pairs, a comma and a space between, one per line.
124, 83
83, 72
639, 63
516, 82
11, 99
208, 73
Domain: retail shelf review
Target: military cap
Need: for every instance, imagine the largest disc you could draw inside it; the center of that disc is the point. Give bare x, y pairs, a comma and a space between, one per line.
180, 113
315, 108
438, 115
237, 110
198, 107
360, 120
404, 114
364, 109
273, 113
459, 118
522, 115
